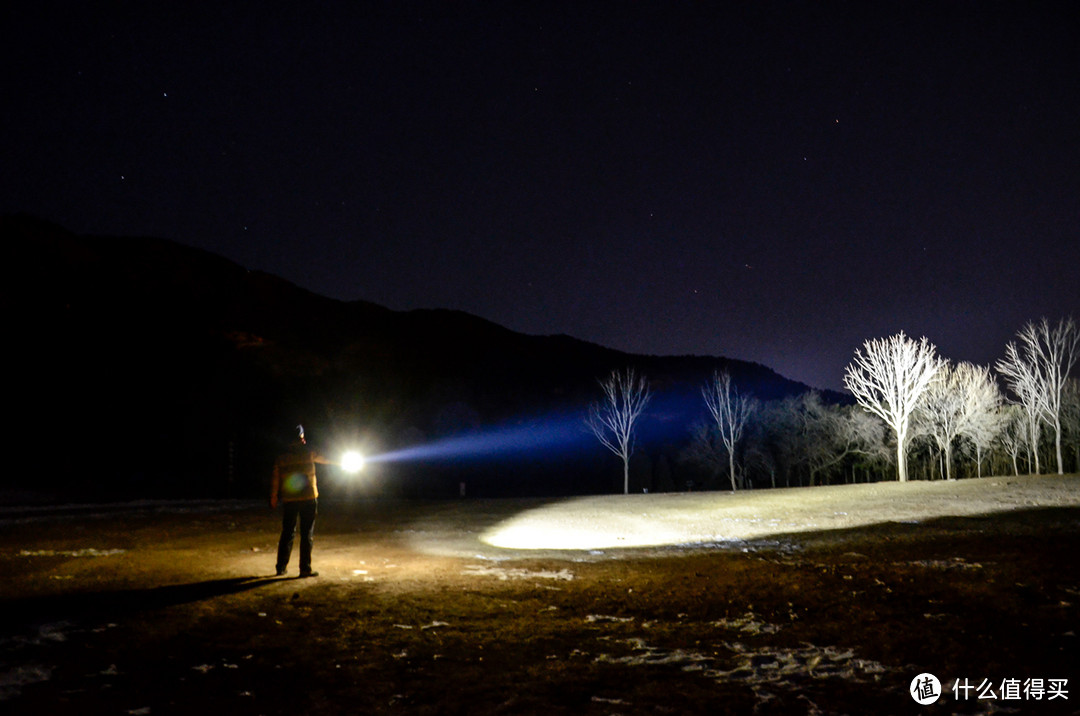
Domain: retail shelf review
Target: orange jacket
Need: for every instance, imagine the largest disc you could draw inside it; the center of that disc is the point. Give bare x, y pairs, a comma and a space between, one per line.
294, 475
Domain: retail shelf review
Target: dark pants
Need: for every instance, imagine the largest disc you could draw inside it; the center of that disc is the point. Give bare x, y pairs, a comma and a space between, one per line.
305, 511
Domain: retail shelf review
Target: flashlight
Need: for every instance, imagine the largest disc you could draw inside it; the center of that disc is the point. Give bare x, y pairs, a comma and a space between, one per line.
352, 461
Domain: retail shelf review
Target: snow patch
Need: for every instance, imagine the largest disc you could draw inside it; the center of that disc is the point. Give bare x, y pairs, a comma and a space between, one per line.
605, 700
645, 655
787, 666
507, 573
946, 564
434, 625
747, 623
51, 633
13, 681
762, 668
86, 552
55, 632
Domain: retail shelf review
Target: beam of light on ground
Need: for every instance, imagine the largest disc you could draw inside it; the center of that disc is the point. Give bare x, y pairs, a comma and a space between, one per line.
658, 520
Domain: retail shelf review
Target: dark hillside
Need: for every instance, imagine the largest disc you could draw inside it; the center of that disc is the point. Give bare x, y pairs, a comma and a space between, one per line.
144, 367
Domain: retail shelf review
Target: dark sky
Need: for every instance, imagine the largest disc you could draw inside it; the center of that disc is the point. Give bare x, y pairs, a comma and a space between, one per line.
774, 182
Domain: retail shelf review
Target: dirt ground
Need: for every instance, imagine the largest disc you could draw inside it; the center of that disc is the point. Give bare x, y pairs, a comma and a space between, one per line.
817, 601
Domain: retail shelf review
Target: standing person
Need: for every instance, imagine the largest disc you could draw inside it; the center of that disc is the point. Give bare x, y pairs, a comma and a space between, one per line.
295, 488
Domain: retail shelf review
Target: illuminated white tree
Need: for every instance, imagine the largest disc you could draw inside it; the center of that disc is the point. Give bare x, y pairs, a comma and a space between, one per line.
986, 419
1014, 433
612, 419
1037, 372
1025, 386
730, 410
961, 401
985, 426
888, 378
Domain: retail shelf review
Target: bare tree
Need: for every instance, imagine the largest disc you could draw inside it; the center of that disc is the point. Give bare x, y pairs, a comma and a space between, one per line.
612, 419
706, 451
961, 401
831, 435
1025, 386
1037, 372
1070, 418
1014, 433
985, 419
771, 440
729, 411
888, 380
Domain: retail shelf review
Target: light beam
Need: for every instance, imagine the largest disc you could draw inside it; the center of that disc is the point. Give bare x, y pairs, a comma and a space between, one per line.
563, 433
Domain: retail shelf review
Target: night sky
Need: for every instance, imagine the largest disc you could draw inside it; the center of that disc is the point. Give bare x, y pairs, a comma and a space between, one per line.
774, 182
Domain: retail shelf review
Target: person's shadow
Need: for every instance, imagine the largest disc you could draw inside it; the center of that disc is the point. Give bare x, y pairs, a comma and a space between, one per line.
98, 605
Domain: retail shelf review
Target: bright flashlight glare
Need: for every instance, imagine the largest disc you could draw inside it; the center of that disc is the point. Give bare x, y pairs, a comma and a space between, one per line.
352, 461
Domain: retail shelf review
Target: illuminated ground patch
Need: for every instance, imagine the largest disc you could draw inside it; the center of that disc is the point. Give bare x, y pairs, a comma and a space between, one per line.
657, 520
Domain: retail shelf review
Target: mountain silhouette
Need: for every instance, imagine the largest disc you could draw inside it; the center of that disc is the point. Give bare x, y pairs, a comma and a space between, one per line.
142, 367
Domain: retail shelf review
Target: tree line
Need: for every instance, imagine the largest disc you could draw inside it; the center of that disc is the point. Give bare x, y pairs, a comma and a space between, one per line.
916, 414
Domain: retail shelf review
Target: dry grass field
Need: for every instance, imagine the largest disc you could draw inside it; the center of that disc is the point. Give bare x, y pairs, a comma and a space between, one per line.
812, 601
